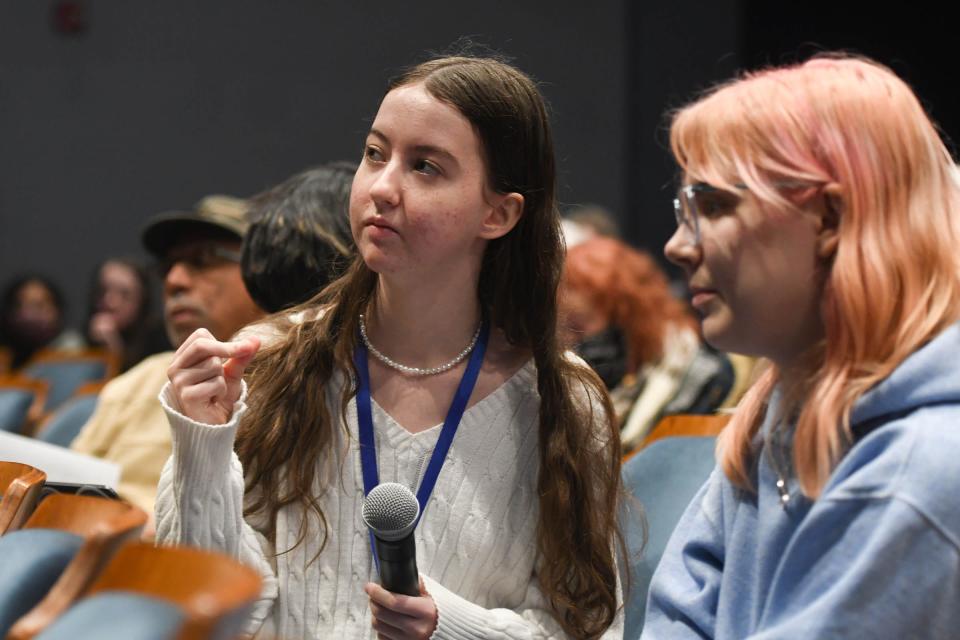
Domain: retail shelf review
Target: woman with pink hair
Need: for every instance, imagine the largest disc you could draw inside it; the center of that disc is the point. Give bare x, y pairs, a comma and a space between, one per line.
818, 228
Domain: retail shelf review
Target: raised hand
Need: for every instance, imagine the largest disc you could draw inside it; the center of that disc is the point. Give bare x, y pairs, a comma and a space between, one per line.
103, 329
206, 374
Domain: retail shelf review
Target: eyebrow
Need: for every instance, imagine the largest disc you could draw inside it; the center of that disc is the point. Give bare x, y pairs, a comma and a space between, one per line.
424, 149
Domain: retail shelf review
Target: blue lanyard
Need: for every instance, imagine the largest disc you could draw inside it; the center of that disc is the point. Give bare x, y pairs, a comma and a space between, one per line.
368, 449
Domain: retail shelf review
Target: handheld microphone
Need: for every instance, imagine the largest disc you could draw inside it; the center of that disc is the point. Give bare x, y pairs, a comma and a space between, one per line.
390, 510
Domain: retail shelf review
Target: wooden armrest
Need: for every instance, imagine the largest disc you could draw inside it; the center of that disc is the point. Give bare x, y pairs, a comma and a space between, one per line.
20, 486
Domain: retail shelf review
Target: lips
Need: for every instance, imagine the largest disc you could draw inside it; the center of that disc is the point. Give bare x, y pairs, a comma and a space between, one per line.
701, 296
378, 222
379, 228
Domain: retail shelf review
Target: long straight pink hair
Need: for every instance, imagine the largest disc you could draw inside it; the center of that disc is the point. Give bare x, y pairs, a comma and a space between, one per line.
894, 280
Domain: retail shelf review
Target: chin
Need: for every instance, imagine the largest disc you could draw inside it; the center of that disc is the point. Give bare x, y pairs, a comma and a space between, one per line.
379, 264
718, 335
374, 259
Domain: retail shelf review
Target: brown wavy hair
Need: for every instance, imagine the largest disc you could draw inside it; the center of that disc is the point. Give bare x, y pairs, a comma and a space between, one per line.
579, 480
630, 290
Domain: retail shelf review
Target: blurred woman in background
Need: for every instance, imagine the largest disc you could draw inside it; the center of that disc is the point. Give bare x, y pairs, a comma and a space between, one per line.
120, 317
32, 318
619, 315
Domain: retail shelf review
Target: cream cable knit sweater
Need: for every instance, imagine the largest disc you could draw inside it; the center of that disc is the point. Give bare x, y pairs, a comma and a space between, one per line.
475, 542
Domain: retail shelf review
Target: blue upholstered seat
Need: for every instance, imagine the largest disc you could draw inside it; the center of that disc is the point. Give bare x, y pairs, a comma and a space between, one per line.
66, 422
116, 615
66, 376
663, 478
14, 406
31, 561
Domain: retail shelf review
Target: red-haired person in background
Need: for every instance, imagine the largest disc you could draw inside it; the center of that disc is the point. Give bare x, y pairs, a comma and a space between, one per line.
818, 225
619, 314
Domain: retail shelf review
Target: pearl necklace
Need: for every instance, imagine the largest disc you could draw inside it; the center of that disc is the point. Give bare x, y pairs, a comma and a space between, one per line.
417, 371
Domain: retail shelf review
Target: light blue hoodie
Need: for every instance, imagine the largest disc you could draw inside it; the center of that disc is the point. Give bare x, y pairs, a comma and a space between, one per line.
876, 556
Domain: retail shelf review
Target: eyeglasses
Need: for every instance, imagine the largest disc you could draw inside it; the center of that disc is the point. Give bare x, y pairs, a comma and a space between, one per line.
197, 258
701, 200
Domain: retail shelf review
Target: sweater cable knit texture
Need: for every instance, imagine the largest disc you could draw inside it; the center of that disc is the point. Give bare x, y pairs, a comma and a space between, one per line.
476, 545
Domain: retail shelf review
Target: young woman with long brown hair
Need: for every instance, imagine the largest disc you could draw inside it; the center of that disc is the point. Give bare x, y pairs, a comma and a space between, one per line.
818, 224
459, 246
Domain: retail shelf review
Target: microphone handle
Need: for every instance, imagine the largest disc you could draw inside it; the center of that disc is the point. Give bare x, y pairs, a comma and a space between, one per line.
398, 565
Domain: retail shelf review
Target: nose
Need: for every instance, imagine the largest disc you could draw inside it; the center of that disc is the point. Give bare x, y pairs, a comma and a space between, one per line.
178, 279
111, 299
681, 249
385, 189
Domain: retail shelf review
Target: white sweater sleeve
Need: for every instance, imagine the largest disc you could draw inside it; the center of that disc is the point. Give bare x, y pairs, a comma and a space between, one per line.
459, 619
200, 499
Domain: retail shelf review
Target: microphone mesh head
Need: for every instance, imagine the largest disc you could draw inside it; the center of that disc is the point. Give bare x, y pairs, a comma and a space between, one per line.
391, 510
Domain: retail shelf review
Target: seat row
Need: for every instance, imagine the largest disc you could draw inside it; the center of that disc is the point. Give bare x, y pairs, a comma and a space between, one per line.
73, 567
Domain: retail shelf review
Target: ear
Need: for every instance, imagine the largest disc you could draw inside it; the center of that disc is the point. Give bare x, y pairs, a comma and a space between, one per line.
503, 215
828, 236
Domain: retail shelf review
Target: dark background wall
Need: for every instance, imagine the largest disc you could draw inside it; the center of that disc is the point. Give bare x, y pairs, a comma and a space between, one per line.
678, 49
916, 40
155, 104
675, 49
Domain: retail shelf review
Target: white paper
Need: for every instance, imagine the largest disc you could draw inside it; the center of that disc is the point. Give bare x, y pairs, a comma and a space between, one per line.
60, 464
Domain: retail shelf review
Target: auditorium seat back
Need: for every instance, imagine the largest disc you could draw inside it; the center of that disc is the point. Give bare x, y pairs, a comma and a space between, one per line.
118, 615
21, 403
67, 372
661, 479
65, 423
33, 560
